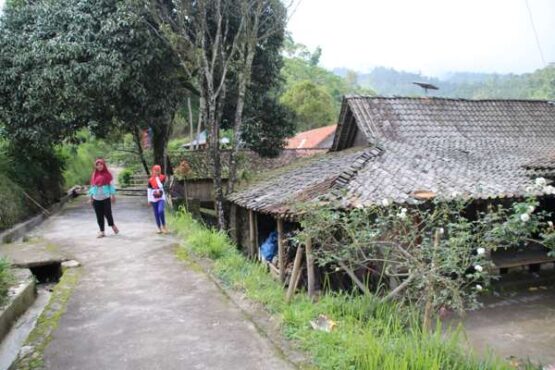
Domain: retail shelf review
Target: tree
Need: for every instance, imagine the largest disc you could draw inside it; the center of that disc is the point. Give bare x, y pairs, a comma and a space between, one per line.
204, 37
313, 105
261, 20
65, 65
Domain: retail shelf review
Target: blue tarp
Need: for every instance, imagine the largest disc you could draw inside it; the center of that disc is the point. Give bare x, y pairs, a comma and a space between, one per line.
269, 248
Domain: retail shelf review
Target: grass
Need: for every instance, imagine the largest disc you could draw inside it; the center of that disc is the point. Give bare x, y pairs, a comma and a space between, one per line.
369, 334
6, 280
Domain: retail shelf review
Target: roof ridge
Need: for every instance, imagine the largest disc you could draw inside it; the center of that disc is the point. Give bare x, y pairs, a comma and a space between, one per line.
346, 176
356, 96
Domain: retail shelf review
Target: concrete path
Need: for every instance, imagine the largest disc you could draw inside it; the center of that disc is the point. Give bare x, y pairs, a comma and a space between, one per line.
137, 307
516, 324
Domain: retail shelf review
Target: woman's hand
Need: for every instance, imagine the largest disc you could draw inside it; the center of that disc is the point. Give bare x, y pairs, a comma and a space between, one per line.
90, 201
113, 199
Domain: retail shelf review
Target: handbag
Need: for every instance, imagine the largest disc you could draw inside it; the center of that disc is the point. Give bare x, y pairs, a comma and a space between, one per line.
158, 193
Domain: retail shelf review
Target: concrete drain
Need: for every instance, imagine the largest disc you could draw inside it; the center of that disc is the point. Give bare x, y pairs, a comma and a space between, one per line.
47, 273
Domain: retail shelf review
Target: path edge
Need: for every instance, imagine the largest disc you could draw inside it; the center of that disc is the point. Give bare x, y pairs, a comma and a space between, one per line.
21, 229
252, 311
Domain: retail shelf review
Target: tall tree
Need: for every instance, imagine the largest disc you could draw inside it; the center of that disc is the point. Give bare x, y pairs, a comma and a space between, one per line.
201, 34
261, 19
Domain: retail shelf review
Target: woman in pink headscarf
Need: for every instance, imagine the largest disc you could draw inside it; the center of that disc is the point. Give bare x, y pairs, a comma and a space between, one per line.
102, 194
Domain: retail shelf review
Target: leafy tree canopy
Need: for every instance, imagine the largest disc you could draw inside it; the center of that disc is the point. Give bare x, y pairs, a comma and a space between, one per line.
313, 105
304, 78
71, 64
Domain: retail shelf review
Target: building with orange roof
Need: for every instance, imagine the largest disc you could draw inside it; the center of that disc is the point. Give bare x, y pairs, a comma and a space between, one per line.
318, 138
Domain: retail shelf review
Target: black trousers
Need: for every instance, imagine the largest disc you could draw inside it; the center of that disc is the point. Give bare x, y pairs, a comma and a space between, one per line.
103, 209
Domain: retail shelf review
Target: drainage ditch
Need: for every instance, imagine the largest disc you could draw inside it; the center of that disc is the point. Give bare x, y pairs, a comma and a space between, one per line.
47, 273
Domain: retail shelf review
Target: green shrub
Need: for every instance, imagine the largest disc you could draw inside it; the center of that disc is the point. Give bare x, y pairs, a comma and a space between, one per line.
6, 279
124, 177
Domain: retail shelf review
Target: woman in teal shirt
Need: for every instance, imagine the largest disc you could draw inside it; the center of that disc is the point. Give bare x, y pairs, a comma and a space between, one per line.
102, 193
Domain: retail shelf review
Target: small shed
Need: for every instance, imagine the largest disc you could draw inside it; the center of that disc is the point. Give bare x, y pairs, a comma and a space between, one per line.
396, 148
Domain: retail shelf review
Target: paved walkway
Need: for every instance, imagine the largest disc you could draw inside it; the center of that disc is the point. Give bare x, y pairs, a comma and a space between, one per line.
137, 307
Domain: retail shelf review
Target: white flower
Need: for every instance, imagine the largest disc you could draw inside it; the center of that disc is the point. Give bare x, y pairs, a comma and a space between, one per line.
531, 209
525, 217
385, 202
549, 189
481, 251
402, 215
337, 269
478, 268
479, 287
540, 181
455, 194
441, 230
550, 223
529, 189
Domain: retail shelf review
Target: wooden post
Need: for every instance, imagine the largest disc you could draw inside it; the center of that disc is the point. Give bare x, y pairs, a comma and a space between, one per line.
252, 241
233, 224
281, 250
310, 268
294, 281
256, 241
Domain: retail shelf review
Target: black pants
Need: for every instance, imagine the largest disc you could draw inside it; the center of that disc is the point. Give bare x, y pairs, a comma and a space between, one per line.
103, 208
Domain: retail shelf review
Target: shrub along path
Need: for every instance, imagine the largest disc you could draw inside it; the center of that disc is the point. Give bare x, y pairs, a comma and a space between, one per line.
137, 307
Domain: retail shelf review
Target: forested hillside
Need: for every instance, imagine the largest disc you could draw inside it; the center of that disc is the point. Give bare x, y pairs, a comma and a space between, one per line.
387, 81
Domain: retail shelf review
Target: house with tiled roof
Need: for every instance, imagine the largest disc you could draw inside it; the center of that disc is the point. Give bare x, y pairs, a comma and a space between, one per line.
318, 138
409, 150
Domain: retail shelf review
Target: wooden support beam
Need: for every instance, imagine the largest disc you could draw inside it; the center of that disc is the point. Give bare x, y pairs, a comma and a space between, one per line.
281, 250
256, 241
252, 241
310, 269
294, 281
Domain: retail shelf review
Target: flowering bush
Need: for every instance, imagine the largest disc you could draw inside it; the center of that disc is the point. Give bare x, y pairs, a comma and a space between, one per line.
435, 255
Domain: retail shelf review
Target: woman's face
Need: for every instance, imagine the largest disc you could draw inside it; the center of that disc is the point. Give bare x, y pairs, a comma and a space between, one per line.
157, 172
99, 166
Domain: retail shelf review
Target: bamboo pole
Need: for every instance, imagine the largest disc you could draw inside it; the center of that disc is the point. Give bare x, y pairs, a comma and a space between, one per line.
428, 308
252, 247
310, 268
294, 280
281, 251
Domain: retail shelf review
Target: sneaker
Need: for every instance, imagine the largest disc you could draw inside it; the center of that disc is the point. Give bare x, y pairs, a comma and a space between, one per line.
116, 230
101, 235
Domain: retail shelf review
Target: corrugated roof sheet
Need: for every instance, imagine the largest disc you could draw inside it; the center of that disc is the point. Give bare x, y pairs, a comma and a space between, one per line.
472, 148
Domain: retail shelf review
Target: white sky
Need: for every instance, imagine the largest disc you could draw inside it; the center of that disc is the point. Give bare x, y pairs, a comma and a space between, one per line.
428, 36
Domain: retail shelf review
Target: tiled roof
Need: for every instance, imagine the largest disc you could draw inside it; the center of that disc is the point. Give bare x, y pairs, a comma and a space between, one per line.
445, 147
312, 138
282, 189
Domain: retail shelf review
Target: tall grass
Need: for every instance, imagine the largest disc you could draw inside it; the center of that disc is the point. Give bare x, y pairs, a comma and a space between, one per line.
369, 334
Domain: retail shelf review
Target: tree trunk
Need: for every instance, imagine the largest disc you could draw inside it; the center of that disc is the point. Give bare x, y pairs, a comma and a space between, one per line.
244, 81
201, 119
137, 139
191, 124
160, 136
216, 163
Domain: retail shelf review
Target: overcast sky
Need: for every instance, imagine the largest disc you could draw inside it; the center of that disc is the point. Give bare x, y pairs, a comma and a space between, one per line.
428, 36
